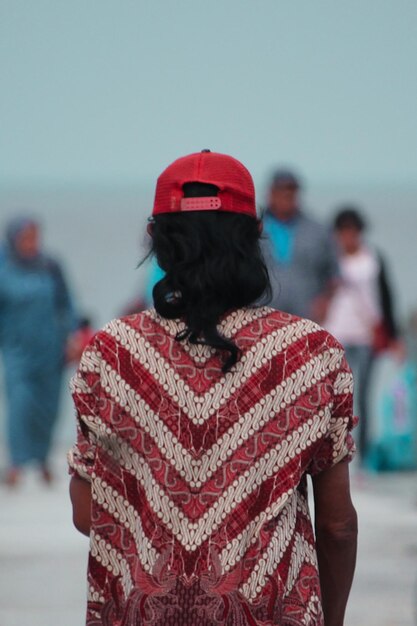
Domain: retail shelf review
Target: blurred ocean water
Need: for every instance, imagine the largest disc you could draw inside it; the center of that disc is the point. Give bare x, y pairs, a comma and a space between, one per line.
99, 235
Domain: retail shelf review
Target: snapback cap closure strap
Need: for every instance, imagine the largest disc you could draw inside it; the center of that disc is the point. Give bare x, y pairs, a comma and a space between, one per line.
207, 203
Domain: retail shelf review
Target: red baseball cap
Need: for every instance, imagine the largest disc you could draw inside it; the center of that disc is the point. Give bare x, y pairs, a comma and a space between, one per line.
236, 191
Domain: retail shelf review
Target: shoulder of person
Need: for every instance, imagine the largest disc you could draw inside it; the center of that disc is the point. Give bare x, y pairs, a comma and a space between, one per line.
7, 263
319, 338
120, 327
93, 351
375, 254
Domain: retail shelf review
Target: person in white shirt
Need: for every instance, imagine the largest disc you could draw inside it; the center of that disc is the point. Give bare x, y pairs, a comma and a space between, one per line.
360, 314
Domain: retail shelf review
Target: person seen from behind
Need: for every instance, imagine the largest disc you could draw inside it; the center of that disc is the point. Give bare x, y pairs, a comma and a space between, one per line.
300, 253
361, 313
36, 319
199, 420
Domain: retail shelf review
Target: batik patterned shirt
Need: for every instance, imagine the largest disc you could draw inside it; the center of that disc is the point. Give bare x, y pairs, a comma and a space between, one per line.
199, 503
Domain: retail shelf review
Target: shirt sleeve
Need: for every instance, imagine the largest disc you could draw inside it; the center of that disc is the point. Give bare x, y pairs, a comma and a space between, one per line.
85, 388
337, 444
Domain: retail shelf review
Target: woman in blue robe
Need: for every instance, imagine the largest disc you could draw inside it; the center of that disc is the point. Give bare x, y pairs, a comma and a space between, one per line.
36, 318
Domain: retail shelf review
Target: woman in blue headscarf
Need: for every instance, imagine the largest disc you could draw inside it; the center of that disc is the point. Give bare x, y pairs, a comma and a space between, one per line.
36, 318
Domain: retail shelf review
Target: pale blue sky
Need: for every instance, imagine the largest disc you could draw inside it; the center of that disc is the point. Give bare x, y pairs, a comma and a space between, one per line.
110, 91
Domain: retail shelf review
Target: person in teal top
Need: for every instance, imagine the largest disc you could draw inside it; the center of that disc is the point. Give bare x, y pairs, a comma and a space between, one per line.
282, 235
36, 319
299, 252
155, 274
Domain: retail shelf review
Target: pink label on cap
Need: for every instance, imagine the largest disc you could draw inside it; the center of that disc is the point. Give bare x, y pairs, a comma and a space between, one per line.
209, 203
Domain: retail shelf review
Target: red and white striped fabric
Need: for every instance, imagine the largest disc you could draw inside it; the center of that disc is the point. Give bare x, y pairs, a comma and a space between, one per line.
199, 514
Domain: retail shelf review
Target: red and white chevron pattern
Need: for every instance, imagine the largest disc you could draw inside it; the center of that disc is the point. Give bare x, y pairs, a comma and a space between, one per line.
198, 478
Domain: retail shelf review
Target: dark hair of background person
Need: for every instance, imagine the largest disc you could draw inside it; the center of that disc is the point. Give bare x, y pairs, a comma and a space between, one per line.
349, 217
212, 263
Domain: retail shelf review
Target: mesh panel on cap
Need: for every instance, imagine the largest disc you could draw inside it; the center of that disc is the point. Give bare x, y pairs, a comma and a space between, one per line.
235, 184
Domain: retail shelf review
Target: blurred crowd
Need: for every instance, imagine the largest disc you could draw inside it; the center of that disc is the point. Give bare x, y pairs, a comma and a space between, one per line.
329, 273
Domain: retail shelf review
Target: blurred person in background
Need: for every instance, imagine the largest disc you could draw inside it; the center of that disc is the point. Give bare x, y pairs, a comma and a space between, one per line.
361, 314
198, 423
36, 318
79, 339
300, 253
